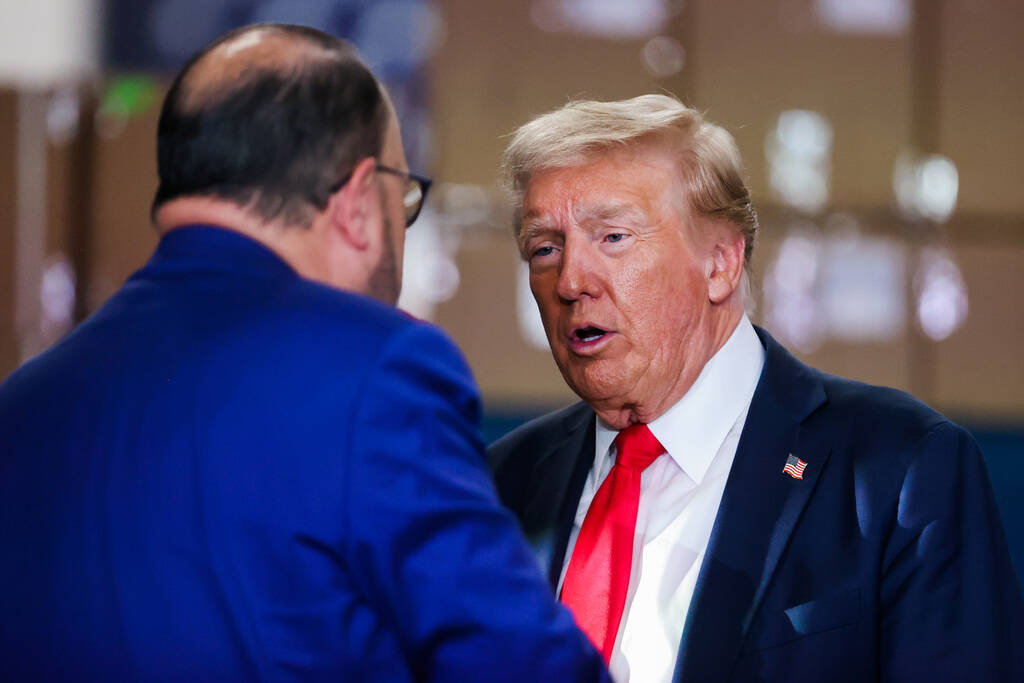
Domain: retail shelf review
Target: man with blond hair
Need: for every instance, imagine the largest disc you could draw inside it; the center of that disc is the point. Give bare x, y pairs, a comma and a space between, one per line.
714, 510
247, 465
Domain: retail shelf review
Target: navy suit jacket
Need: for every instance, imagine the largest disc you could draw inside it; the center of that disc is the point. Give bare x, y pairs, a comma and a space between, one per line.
233, 473
886, 561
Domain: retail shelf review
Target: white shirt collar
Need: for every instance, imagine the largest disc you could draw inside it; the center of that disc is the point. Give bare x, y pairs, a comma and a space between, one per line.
694, 428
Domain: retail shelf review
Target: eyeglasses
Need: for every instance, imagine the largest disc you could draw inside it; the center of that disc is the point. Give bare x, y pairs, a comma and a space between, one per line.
415, 191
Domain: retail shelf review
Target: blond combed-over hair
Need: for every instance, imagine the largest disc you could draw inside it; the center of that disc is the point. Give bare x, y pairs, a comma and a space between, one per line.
709, 161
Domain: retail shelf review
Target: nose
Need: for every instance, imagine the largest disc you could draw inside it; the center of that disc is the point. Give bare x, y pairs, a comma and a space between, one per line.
577, 271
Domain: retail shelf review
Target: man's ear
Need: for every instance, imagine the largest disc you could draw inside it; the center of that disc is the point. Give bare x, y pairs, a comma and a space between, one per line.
354, 207
725, 263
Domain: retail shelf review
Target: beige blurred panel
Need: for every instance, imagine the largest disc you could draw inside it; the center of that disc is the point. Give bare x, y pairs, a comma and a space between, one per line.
496, 70
482, 320
754, 60
124, 181
980, 368
8, 220
883, 363
982, 102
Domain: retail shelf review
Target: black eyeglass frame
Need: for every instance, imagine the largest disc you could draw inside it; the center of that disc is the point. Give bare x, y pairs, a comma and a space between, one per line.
422, 181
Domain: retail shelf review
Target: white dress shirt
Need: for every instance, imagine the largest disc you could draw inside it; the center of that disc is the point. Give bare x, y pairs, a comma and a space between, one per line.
679, 497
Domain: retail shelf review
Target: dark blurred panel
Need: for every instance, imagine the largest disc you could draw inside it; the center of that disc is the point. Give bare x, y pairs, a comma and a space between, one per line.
159, 35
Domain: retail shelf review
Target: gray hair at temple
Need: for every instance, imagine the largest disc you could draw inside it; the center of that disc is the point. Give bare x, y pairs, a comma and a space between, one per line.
709, 161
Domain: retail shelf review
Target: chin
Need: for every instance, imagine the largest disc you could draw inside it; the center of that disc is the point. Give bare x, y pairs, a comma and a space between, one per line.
594, 391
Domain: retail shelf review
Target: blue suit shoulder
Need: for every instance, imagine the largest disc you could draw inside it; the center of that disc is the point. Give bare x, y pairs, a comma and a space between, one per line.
882, 407
879, 421
873, 412
322, 327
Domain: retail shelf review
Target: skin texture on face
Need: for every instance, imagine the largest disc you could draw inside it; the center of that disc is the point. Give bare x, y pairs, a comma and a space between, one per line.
634, 296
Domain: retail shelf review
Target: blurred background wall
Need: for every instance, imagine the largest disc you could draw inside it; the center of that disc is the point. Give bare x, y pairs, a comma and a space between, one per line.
882, 139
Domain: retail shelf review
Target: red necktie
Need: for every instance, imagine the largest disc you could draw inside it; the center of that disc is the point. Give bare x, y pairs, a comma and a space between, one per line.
597, 579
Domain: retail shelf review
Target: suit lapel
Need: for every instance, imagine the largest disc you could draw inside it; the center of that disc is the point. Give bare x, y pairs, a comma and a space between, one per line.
759, 510
556, 484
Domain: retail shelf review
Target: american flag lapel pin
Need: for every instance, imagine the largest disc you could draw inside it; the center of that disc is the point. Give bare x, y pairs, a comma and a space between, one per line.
794, 467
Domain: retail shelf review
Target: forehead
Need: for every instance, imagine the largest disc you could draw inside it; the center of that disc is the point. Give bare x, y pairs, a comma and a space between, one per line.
639, 177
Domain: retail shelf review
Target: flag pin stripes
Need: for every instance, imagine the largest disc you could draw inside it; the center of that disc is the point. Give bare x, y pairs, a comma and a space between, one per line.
794, 467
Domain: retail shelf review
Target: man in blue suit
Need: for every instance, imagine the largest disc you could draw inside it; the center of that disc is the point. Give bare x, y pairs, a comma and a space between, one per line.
715, 510
244, 467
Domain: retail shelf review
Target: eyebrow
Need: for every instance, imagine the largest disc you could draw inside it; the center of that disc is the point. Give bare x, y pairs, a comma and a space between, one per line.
534, 224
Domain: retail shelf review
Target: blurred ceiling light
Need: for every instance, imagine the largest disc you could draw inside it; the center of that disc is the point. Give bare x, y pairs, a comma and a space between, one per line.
431, 276
663, 56
63, 115
790, 286
925, 187
602, 18
56, 298
399, 34
879, 17
45, 43
799, 151
863, 287
940, 292
531, 327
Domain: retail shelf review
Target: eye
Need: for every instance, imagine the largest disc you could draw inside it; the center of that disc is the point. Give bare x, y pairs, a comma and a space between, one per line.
615, 237
541, 252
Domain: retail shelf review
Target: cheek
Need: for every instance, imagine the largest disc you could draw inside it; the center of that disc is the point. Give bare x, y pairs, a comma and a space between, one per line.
546, 302
663, 304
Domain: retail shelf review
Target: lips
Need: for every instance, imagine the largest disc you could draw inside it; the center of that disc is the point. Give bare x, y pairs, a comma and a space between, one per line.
588, 338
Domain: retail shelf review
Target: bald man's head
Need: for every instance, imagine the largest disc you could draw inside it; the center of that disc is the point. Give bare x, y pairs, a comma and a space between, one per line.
271, 117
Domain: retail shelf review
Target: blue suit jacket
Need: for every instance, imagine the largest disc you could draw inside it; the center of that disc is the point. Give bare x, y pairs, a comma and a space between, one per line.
233, 473
887, 561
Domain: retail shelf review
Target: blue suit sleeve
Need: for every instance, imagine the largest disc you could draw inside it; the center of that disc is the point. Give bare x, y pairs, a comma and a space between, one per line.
435, 552
952, 605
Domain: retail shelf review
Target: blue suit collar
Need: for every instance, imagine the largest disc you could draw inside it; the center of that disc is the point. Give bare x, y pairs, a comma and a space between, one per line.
797, 388
758, 513
213, 248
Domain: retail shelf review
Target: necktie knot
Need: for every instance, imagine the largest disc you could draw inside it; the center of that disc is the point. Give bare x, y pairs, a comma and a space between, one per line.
637, 447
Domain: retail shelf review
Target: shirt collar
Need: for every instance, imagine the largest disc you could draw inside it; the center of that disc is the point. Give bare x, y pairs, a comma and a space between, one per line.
695, 427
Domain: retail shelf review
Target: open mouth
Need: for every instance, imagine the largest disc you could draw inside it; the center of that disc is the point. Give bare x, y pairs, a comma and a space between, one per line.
588, 334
